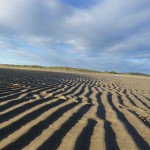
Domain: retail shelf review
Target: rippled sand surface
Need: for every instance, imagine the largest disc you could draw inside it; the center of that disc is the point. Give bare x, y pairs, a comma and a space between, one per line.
70, 111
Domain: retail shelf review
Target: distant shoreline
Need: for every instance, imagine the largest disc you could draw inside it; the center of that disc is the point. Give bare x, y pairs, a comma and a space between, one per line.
72, 70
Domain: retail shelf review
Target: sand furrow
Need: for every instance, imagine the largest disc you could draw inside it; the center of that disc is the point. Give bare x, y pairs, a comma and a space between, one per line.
51, 142
19, 133
53, 127
138, 139
111, 128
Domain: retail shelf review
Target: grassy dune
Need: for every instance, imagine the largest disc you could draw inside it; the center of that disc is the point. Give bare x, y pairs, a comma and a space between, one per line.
67, 69
55, 110
48, 68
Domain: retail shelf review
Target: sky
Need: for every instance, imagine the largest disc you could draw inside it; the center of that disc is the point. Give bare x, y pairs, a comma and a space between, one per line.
104, 35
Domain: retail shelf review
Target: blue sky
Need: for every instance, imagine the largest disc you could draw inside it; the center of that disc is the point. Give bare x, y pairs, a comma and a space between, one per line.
94, 34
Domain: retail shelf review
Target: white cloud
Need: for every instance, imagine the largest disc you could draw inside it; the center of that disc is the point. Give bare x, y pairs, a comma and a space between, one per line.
107, 28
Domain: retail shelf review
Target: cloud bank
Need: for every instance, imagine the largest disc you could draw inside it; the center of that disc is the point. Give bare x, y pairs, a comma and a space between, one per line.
94, 34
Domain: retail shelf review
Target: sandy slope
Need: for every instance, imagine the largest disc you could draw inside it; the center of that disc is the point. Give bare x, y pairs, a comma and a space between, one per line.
67, 111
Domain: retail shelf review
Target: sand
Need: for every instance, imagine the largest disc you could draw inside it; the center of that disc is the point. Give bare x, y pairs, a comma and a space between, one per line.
73, 111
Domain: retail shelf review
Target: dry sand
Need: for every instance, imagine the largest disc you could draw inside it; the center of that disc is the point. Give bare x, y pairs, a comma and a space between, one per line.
70, 111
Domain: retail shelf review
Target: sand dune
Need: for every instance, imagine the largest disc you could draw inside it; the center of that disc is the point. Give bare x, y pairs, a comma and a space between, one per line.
70, 111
